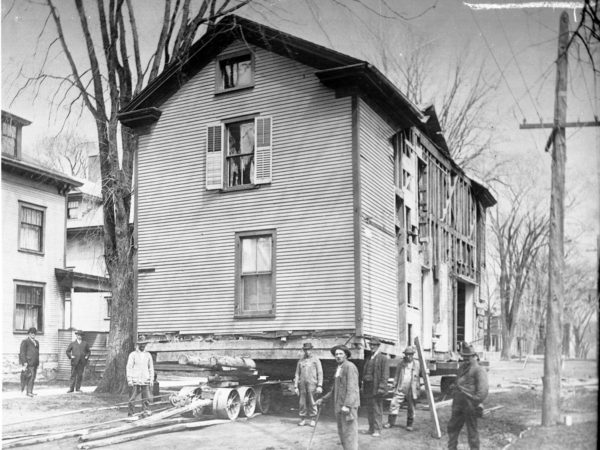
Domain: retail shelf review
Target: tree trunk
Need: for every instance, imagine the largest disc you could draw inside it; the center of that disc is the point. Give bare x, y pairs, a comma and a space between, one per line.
507, 341
118, 254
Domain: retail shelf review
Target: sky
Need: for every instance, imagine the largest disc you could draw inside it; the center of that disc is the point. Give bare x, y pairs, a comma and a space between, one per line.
518, 48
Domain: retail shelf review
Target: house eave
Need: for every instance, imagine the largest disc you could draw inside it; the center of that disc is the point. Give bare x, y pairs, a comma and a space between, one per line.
82, 282
64, 183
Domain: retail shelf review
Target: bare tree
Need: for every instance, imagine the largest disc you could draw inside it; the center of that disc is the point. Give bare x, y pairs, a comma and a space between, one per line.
520, 235
460, 100
587, 34
112, 75
67, 153
581, 304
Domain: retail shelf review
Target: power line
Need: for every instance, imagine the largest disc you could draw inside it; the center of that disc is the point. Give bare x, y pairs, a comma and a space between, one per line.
528, 92
497, 64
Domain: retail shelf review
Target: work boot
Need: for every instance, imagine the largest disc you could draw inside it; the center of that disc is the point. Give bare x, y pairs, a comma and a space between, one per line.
302, 423
409, 426
313, 423
391, 421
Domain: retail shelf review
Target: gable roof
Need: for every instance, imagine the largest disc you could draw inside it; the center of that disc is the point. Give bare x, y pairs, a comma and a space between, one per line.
334, 69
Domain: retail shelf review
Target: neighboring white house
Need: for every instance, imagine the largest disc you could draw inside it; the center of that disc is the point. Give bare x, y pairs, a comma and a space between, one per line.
85, 257
34, 203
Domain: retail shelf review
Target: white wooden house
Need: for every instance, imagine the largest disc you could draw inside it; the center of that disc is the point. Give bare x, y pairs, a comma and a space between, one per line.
34, 203
284, 192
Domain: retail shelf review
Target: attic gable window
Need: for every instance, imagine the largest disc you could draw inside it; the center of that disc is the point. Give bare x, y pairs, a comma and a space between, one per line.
235, 71
9, 138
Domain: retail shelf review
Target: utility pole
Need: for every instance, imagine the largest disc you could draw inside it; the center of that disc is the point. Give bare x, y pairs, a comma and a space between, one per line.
553, 341
552, 352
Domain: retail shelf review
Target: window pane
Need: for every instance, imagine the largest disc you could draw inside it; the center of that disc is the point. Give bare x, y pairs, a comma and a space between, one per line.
236, 72
257, 293
31, 229
248, 255
263, 254
264, 292
29, 307
240, 141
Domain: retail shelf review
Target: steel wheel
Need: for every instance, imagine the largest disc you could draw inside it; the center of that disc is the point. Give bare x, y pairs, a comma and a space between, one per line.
248, 399
263, 396
226, 403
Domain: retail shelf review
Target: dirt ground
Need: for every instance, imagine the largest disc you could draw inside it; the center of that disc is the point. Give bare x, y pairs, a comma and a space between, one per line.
516, 425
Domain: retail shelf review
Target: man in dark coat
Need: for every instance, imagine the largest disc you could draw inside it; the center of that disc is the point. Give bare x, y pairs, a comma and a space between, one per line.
78, 352
346, 397
29, 358
375, 378
470, 391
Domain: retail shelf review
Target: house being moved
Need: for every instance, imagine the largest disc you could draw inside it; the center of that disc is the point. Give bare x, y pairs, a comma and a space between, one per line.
287, 192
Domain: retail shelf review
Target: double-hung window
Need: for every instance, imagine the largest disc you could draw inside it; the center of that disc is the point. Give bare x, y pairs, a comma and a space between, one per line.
29, 306
238, 153
255, 274
31, 228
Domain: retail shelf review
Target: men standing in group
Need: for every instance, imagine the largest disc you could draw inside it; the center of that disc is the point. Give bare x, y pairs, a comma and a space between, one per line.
29, 358
375, 378
470, 391
140, 375
78, 352
346, 397
406, 387
308, 382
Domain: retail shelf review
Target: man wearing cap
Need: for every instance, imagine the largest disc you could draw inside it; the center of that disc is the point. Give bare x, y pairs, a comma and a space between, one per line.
78, 352
406, 387
308, 381
375, 377
471, 390
140, 374
29, 358
346, 397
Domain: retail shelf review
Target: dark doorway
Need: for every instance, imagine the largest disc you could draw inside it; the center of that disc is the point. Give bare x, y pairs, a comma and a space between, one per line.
460, 312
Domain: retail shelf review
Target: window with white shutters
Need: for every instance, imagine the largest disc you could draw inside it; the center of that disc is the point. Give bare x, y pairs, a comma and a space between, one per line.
239, 153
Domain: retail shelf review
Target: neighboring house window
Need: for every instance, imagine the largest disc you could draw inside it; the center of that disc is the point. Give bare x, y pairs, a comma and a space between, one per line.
409, 294
238, 153
29, 306
9, 138
108, 301
73, 209
235, 71
410, 334
255, 274
31, 228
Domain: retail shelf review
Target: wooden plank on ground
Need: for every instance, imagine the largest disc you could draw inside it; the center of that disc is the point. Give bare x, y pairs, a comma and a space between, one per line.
434, 417
145, 433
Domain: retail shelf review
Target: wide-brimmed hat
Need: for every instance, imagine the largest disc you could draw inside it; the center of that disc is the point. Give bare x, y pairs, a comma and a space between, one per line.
32, 330
307, 346
341, 347
78, 333
467, 350
374, 341
141, 342
409, 350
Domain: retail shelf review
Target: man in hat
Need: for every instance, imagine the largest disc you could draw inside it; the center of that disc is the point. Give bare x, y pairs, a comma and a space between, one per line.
375, 377
406, 388
29, 358
140, 374
471, 390
346, 397
308, 381
78, 352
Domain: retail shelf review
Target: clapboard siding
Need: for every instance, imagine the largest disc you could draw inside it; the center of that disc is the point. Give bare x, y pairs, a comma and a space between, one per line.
378, 253
187, 234
31, 267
